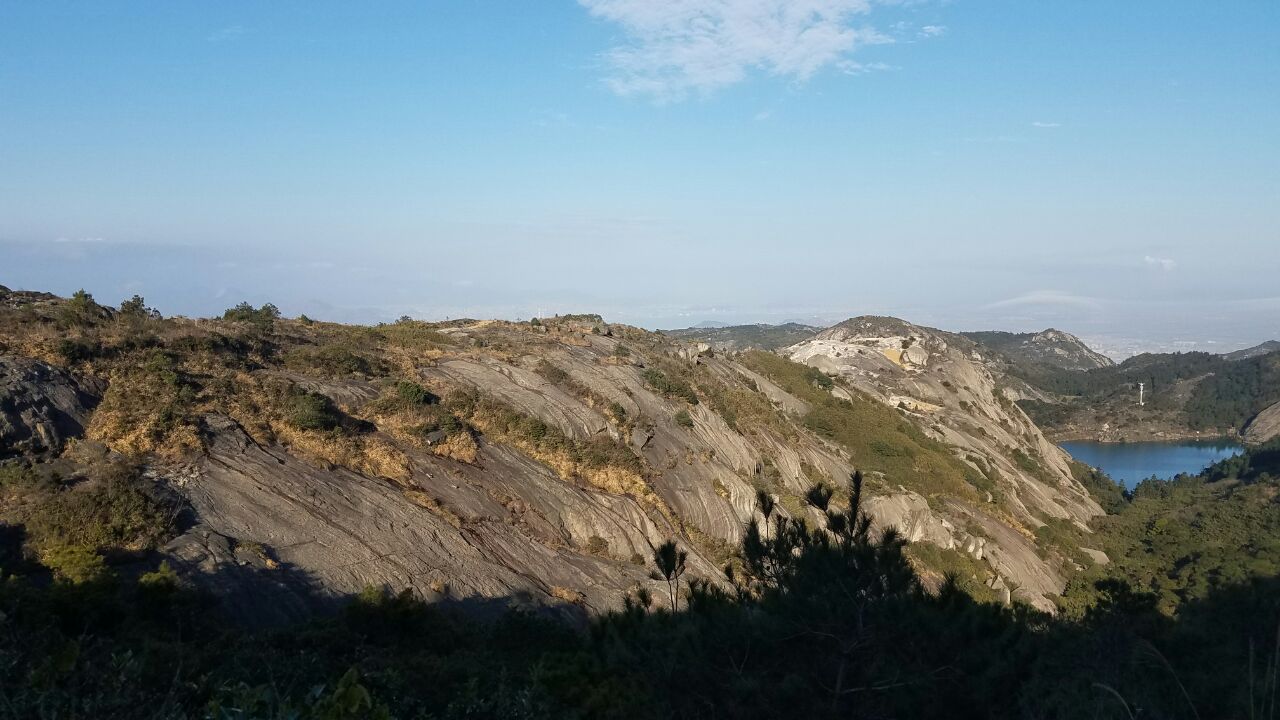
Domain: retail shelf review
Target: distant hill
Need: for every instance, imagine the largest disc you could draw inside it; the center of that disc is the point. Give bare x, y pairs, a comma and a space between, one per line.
1050, 347
1073, 392
1265, 348
1183, 395
745, 337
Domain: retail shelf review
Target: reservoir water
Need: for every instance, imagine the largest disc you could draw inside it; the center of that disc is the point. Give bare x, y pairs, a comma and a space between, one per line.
1132, 462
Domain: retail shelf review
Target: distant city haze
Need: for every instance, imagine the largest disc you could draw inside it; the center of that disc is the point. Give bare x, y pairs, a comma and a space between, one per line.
1108, 169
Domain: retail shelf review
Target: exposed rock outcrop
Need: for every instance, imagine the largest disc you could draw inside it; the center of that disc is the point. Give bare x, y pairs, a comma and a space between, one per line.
944, 383
41, 406
459, 531
1264, 426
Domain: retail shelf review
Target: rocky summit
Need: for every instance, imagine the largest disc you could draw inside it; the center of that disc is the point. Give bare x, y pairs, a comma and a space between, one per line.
1048, 347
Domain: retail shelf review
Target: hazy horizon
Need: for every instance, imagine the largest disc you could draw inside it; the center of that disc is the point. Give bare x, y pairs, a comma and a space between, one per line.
1108, 169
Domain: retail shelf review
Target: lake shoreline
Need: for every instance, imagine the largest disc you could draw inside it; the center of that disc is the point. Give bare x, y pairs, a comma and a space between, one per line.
1129, 463
1231, 439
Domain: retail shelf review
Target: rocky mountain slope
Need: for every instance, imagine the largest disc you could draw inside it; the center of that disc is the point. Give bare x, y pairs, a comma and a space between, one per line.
944, 383
534, 462
1264, 426
1265, 348
1049, 347
745, 337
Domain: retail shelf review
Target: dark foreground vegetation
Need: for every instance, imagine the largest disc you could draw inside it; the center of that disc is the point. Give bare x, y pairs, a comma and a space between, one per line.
810, 622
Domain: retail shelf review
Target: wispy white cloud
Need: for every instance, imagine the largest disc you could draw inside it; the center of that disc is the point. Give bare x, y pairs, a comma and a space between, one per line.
231, 32
929, 31
852, 67
1165, 264
1048, 298
991, 139
1042, 124
678, 47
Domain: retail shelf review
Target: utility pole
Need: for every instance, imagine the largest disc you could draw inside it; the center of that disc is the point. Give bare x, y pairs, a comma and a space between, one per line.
1140, 402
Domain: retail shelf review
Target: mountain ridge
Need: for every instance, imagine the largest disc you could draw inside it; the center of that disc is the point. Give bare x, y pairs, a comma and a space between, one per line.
552, 452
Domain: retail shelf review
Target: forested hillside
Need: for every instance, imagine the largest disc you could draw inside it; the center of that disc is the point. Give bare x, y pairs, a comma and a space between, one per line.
1183, 394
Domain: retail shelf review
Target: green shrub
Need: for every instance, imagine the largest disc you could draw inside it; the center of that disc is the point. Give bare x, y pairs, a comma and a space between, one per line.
79, 349
618, 412
263, 318
330, 360
672, 387
888, 449
75, 563
115, 510
552, 373
162, 578
308, 410
411, 393
683, 419
80, 310
1107, 492
17, 476
135, 308
1028, 464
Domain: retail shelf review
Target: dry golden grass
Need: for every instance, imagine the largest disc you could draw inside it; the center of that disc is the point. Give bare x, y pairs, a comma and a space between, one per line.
371, 456
568, 595
141, 414
622, 481
461, 447
424, 500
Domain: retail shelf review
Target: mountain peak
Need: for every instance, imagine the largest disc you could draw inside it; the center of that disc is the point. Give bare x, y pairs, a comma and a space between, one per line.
1049, 346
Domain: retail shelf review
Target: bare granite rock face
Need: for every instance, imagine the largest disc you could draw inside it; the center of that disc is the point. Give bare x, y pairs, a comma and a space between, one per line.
271, 526
1264, 426
507, 528
946, 385
41, 406
942, 380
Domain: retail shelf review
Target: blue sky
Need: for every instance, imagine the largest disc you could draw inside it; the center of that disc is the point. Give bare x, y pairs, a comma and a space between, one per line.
1111, 168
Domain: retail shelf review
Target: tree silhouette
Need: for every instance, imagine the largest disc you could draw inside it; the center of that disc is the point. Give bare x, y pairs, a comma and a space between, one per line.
671, 563
764, 501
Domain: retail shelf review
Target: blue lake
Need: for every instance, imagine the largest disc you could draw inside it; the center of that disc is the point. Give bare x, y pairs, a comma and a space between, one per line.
1130, 463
